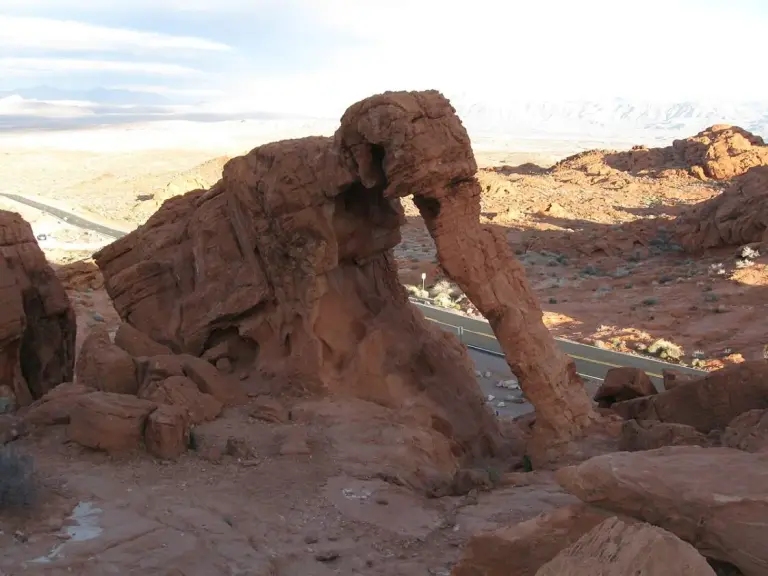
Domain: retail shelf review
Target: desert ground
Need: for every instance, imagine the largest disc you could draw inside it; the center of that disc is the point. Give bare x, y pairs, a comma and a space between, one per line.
275, 479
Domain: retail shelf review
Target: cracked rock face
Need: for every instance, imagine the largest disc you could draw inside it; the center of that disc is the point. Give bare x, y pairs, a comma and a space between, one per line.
37, 322
287, 263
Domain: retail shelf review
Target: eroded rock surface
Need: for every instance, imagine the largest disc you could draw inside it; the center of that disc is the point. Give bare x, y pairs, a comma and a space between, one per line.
706, 404
624, 383
615, 548
720, 152
37, 322
523, 548
714, 498
736, 217
288, 260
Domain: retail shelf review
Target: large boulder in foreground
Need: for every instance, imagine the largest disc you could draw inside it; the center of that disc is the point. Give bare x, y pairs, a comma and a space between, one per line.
523, 548
287, 262
37, 322
615, 548
706, 404
110, 422
713, 498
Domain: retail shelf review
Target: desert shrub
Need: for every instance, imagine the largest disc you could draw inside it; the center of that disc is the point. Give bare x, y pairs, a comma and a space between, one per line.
666, 350
18, 485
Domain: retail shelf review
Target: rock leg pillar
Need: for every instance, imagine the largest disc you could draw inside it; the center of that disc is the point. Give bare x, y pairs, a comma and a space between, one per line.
480, 261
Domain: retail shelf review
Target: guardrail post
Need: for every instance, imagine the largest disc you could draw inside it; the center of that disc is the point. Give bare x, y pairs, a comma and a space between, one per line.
461, 334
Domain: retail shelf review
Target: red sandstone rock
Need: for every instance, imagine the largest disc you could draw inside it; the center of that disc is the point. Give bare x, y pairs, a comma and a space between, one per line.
615, 548
167, 432
180, 391
648, 435
622, 384
736, 217
210, 380
708, 403
523, 548
109, 422
674, 378
37, 322
56, 406
289, 258
748, 431
104, 366
714, 498
719, 152
137, 343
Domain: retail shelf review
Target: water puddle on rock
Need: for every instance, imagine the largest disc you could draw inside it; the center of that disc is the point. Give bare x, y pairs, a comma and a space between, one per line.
82, 525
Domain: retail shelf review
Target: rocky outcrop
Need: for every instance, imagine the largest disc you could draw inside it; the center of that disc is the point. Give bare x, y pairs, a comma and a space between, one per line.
167, 432
615, 548
720, 152
748, 431
110, 422
736, 217
104, 366
706, 404
37, 322
713, 498
622, 384
523, 548
288, 259
137, 343
650, 435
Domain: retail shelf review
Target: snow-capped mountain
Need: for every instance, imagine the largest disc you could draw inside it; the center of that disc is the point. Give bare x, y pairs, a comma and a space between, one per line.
617, 118
612, 122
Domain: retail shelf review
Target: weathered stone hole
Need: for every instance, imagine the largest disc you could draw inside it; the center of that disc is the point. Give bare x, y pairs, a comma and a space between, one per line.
429, 207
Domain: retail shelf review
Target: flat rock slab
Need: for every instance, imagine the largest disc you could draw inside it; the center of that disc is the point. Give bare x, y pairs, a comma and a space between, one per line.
714, 498
615, 548
376, 502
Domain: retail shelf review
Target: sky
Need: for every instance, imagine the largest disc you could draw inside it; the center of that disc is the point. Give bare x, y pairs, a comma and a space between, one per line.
318, 56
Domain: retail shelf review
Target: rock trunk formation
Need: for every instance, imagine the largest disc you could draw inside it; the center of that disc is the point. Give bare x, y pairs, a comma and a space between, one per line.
287, 263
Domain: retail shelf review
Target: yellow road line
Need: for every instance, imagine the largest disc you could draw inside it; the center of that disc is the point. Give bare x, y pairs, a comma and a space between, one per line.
575, 357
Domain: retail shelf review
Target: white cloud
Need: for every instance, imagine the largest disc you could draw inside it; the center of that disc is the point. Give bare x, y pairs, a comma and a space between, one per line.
48, 34
36, 66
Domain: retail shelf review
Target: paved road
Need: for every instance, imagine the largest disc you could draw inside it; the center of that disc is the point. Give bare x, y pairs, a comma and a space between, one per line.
590, 361
67, 217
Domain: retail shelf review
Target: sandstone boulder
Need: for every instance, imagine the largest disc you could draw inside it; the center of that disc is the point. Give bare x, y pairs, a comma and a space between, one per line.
37, 322
110, 422
56, 406
104, 366
674, 378
167, 432
648, 435
736, 217
615, 548
748, 431
622, 384
523, 548
181, 392
137, 343
210, 380
709, 403
288, 259
713, 498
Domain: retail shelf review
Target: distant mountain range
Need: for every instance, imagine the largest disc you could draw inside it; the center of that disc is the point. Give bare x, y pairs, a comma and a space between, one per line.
620, 118
610, 120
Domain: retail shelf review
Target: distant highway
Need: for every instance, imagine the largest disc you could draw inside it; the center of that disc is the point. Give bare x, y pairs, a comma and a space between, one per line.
476, 334
67, 217
590, 360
